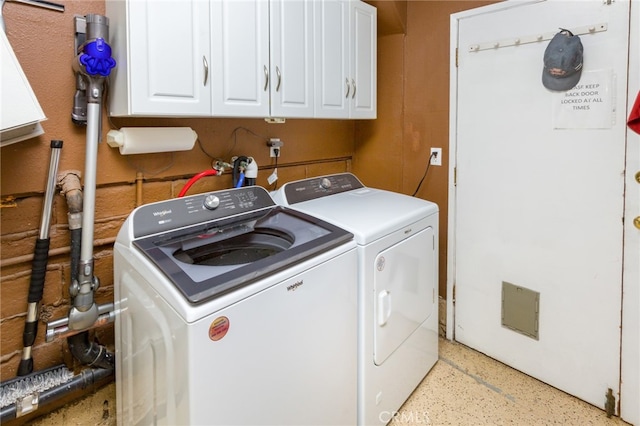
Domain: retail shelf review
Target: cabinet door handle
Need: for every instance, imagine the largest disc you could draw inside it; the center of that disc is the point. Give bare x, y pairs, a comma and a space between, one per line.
279, 78
266, 78
206, 70
346, 80
353, 83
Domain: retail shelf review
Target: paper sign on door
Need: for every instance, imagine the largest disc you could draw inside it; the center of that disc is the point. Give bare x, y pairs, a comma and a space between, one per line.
588, 105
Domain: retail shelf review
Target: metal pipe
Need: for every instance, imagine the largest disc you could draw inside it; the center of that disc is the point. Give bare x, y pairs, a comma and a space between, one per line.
89, 194
60, 327
39, 265
84, 311
139, 181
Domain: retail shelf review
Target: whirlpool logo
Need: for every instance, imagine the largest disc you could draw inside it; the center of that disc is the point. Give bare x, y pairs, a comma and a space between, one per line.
294, 286
162, 213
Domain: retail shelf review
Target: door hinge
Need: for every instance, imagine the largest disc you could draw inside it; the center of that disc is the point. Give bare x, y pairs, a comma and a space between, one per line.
456, 57
610, 403
453, 293
455, 176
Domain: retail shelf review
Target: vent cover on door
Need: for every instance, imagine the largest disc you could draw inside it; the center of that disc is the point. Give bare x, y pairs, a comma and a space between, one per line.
520, 309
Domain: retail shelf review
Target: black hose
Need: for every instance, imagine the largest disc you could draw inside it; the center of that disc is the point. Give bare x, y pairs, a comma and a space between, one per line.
73, 195
76, 238
85, 379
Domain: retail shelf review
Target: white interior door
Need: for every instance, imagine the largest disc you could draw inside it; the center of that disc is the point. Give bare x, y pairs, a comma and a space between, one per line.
539, 193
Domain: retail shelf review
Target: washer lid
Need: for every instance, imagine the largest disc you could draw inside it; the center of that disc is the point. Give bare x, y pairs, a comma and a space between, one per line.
210, 258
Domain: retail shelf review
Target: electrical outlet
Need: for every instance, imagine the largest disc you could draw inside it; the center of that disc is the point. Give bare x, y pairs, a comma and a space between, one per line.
436, 157
275, 147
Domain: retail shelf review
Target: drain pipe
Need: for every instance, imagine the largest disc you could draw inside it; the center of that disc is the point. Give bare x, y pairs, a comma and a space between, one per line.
88, 353
87, 379
71, 189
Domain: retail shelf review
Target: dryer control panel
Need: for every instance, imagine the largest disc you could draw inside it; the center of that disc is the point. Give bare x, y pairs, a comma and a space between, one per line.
318, 187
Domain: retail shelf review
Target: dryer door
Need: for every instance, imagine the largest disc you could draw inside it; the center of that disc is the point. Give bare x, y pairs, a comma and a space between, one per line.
404, 283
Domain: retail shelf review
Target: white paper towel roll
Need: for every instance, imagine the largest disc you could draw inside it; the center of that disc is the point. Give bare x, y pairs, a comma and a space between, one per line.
145, 140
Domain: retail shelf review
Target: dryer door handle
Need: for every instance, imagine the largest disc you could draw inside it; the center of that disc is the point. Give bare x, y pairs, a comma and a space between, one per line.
384, 307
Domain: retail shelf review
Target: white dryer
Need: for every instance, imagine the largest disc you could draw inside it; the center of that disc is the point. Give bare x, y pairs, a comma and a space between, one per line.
397, 245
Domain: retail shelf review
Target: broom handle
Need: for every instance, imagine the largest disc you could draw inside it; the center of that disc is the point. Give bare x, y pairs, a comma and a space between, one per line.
39, 265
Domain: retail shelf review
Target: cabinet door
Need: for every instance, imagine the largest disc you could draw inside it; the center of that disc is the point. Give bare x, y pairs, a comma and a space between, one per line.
168, 55
363, 60
21, 112
240, 52
331, 62
291, 43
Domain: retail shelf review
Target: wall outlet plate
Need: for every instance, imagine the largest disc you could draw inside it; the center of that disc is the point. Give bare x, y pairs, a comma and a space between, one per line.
436, 160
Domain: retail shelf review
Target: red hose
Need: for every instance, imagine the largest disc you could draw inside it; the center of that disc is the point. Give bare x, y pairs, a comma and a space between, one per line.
210, 172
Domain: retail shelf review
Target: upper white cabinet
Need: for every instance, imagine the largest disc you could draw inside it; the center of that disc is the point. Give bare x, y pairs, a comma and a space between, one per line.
331, 50
345, 59
21, 112
363, 56
263, 52
240, 42
292, 78
163, 58
242, 58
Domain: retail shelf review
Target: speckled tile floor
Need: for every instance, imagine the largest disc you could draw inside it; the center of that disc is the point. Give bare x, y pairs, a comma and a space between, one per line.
464, 388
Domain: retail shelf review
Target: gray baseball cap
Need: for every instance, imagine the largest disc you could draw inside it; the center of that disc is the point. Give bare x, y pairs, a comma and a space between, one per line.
562, 61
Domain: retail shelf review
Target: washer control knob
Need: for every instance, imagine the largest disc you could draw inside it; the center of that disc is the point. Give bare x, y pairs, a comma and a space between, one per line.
211, 202
325, 183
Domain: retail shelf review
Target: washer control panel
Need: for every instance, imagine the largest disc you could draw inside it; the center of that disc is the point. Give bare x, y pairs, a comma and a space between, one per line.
323, 186
180, 212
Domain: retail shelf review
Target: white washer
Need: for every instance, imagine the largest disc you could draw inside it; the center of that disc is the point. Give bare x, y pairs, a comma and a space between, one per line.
397, 237
233, 310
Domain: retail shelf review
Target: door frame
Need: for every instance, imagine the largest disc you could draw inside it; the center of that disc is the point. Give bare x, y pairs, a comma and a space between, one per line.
630, 317
630, 351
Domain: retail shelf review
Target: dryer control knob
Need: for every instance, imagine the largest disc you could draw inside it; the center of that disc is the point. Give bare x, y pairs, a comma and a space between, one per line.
325, 183
211, 202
